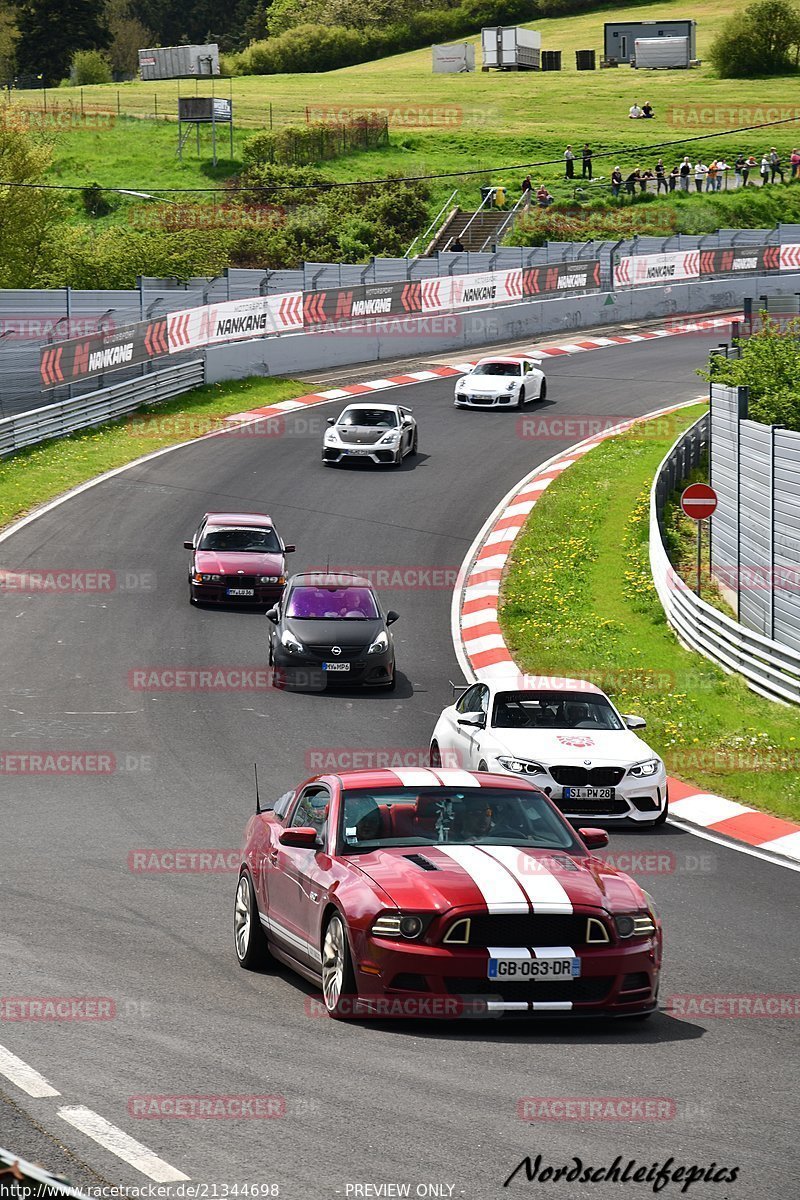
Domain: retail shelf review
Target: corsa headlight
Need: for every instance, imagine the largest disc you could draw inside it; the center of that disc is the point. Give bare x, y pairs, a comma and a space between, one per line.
397, 925
380, 644
644, 770
290, 642
521, 766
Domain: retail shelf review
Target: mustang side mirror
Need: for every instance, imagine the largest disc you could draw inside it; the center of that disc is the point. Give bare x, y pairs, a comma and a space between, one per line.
593, 839
475, 719
634, 722
289, 549
272, 615
392, 616
304, 836
188, 545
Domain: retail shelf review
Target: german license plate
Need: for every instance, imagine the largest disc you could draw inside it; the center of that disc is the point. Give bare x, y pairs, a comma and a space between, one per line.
588, 793
336, 666
359, 452
241, 592
534, 968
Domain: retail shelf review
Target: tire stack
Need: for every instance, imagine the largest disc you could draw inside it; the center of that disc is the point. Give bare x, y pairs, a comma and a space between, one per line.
550, 60
585, 60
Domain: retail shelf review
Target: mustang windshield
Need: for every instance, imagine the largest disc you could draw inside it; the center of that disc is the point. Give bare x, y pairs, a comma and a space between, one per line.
553, 710
240, 540
433, 816
498, 368
332, 603
369, 418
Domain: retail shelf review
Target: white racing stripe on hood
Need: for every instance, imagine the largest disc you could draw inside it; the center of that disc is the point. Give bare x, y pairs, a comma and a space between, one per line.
540, 886
501, 893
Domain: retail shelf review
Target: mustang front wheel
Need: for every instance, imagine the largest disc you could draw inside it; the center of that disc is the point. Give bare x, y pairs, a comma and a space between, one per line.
338, 980
251, 944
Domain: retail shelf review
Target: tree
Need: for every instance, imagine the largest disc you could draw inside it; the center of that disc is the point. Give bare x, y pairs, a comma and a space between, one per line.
128, 37
769, 365
28, 216
764, 39
50, 31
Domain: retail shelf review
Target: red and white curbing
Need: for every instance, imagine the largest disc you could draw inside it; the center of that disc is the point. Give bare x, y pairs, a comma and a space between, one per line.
483, 654
444, 372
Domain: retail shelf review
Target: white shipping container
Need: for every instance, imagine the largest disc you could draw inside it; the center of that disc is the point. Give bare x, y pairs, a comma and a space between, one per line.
653, 53
179, 62
510, 46
450, 60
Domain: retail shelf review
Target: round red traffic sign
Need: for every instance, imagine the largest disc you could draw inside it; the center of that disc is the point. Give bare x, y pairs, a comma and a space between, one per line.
699, 501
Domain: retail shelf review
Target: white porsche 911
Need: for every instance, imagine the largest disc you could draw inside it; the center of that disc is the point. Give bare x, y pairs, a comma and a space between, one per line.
566, 737
501, 382
378, 433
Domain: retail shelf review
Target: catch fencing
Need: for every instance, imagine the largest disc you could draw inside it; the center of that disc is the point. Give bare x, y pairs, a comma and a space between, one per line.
769, 664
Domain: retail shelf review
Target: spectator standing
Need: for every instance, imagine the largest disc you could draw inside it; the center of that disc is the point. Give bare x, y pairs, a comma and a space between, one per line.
616, 181
569, 163
674, 176
631, 181
685, 170
527, 192
711, 177
764, 170
749, 165
722, 173
586, 161
775, 165
457, 246
700, 172
644, 177
661, 177
795, 161
738, 168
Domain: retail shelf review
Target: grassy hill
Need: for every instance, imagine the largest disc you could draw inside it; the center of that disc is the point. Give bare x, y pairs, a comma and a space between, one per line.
442, 123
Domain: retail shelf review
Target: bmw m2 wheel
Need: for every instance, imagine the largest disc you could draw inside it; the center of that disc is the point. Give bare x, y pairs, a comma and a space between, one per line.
251, 944
338, 979
435, 755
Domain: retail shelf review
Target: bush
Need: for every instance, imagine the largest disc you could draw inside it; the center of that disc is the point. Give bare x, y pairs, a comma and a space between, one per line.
762, 40
317, 141
306, 48
769, 365
90, 66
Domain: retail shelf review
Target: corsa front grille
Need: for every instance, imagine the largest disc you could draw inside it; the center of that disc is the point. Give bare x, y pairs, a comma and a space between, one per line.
591, 990
325, 653
524, 929
568, 776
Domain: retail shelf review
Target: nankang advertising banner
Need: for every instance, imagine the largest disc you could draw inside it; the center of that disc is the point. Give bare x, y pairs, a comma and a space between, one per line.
367, 302
84, 358
735, 259
582, 275
637, 270
235, 320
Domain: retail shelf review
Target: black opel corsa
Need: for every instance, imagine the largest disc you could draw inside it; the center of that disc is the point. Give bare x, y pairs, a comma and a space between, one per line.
331, 627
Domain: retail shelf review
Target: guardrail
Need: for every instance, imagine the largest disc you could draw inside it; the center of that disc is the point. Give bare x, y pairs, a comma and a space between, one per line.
68, 416
768, 667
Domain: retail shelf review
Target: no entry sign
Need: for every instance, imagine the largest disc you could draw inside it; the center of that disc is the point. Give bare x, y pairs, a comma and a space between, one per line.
699, 501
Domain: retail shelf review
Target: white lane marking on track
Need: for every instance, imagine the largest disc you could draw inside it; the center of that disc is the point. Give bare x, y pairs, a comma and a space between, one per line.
122, 1144
19, 1073
740, 847
501, 892
544, 891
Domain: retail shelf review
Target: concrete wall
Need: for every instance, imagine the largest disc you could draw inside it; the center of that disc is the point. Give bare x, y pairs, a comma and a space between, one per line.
420, 336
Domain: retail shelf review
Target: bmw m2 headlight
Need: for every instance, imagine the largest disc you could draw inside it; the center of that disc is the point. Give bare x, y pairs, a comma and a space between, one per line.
291, 643
521, 766
380, 644
643, 770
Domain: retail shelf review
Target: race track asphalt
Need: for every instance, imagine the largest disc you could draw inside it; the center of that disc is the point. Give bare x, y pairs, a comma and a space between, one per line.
372, 1103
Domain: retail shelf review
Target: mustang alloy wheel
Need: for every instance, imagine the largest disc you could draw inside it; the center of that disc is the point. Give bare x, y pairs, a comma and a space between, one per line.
251, 944
338, 981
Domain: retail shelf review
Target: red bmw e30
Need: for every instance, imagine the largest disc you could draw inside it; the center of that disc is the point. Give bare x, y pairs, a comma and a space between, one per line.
390, 889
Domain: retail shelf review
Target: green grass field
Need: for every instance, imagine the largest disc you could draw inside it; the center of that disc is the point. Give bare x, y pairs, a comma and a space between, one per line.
578, 600
444, 123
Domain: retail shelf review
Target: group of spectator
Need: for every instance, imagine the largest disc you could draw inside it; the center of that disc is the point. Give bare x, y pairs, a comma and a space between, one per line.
709, 177
586, 162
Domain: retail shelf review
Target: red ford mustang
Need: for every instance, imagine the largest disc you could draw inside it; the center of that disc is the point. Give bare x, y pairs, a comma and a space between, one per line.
442, 893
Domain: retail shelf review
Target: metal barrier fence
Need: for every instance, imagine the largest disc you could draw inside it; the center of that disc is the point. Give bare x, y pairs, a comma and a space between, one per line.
68, 416
769, 667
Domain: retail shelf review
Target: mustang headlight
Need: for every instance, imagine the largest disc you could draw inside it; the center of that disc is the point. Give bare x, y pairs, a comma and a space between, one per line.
399, 925
643, 770
635, 925
521, 766
380, 644
291, 643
